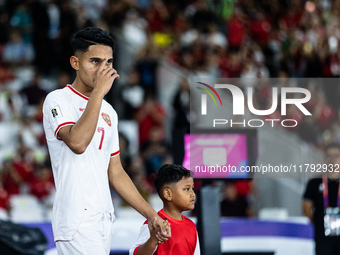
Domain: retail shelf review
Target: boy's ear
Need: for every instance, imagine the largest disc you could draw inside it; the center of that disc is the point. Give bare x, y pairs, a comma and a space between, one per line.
167, 194
74, 61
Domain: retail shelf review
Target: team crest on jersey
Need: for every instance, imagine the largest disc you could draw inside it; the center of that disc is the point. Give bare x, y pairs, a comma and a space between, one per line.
106, 117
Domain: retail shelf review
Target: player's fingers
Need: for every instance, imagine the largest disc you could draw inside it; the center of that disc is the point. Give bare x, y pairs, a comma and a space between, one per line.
116, 76
109, 70
114, 73
103, 66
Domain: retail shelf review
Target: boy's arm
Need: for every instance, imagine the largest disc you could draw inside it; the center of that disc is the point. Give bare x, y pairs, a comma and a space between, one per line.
144, 245
150, 246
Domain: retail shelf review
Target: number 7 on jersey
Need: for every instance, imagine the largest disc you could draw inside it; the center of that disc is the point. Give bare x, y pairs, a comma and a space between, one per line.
101, 129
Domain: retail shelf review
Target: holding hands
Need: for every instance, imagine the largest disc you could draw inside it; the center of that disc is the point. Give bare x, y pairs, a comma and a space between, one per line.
160, 230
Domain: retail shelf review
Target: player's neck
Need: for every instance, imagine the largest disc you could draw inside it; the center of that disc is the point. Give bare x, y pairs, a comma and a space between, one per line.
173, 212
81, 88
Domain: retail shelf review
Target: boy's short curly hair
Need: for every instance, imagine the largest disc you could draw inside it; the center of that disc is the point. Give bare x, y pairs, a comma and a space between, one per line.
84, 38
170, 173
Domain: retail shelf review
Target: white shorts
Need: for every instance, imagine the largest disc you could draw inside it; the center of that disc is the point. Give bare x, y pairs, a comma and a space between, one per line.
93, 239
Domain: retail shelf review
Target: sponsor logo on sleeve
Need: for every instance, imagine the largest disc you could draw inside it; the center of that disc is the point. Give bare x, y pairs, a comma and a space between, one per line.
56, 112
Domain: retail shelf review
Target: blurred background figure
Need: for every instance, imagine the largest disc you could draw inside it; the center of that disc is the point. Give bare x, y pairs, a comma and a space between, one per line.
321, 204
17, 52
181, 122
234, 203
131, 95
33, 93
5, 205
155, 151
150, 114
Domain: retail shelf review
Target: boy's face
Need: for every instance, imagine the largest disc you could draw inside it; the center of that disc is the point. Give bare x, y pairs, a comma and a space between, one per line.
183, 195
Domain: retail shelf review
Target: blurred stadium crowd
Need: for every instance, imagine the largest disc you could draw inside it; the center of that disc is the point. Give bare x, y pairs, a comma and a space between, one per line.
245, 39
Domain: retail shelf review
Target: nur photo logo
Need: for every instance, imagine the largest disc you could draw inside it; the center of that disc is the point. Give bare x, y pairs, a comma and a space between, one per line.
281, 98
204, 97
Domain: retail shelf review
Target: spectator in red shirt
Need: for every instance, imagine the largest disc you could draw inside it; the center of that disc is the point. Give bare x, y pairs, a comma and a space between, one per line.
42, 183
19, 172
4, 200
236, 30
156, 15
260, 29
150, 114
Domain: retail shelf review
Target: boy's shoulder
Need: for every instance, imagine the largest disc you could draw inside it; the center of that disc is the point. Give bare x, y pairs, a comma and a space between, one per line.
189, 222
187, 219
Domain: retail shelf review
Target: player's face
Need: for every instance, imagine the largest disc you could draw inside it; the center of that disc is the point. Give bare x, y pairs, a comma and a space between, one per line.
90, 62
183, 194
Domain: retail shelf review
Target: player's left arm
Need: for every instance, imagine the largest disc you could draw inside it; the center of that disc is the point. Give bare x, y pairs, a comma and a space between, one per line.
125, 188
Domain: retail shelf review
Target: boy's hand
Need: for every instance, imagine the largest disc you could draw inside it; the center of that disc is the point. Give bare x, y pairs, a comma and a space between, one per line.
162, 229
166, 225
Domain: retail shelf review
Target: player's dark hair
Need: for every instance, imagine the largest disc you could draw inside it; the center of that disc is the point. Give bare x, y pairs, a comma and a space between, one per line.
84, 38
331, 146
170, 173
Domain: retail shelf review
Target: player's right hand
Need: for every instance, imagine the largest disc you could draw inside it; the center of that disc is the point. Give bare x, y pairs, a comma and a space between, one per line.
105, 77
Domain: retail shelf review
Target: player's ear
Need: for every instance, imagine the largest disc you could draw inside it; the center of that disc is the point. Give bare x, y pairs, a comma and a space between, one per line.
167, 194
74, 61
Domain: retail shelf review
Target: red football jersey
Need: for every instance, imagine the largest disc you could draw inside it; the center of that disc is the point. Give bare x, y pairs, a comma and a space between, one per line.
183, 241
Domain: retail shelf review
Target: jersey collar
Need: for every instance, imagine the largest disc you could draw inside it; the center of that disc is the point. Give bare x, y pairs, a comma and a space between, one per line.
76, 92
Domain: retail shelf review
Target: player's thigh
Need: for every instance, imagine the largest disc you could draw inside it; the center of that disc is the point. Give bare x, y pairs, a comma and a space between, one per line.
90, 240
